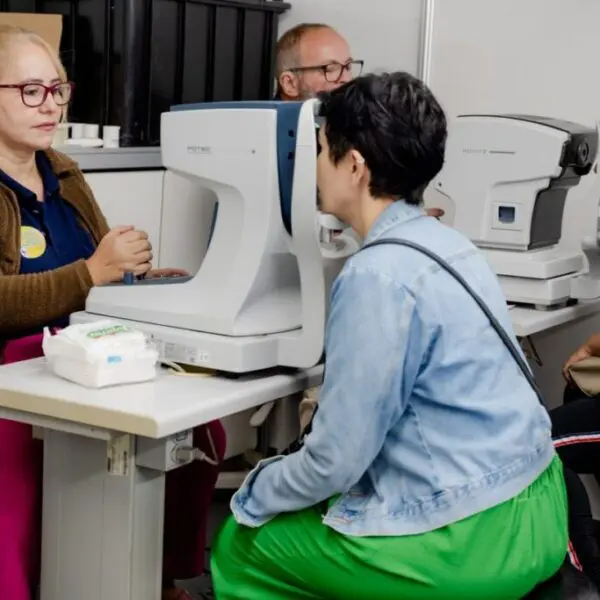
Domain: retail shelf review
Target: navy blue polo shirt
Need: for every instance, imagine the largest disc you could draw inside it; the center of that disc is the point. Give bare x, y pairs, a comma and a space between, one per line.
51, 235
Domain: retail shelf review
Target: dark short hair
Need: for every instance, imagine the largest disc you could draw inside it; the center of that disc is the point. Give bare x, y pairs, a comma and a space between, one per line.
397, 125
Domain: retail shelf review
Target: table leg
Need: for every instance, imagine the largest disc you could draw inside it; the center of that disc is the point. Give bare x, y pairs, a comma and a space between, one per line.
102, 533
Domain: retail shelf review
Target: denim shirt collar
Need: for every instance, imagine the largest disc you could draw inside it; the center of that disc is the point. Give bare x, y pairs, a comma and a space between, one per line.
395, 214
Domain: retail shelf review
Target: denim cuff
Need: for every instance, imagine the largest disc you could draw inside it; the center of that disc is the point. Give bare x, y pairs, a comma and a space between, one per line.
242, 501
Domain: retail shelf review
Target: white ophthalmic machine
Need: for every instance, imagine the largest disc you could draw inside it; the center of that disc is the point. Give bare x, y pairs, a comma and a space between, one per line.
508, 177
259, 299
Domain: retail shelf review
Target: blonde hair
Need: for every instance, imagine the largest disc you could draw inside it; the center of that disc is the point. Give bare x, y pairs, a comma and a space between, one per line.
10, 34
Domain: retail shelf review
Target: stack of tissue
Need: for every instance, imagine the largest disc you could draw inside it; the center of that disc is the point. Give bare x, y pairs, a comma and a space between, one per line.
100, 354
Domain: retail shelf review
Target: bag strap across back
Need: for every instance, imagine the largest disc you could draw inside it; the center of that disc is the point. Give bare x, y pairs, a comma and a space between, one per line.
508, 343
510, 346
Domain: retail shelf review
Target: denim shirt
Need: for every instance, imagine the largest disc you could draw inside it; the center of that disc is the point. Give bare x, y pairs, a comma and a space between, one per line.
424, 417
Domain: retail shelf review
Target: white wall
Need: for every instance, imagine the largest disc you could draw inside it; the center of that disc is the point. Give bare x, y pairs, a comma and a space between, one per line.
383, 33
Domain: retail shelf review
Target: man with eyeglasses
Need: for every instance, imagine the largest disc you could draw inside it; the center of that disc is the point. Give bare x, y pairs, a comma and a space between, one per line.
312, 58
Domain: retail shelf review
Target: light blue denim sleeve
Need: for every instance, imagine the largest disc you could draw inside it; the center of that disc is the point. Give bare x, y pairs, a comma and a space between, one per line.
367, 338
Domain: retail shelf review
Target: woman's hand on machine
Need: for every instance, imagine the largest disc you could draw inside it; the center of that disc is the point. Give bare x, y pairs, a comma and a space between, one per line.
122, 250
587, 350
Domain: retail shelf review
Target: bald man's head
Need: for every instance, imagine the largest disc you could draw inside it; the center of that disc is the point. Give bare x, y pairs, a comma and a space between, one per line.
312, 58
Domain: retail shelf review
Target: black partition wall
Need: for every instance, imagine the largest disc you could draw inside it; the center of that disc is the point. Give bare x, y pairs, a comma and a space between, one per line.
133, 59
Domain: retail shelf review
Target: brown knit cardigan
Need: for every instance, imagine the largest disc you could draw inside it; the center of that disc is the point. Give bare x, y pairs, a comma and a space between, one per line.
28, 301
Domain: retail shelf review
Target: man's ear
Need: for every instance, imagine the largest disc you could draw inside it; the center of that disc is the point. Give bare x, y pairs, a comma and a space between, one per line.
288, 84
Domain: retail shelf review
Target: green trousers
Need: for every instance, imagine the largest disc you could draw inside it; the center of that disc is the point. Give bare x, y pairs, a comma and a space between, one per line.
501, 553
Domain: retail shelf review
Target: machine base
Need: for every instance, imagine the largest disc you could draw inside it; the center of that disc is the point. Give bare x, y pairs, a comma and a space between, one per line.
208, 351
543, 279
547, 263
549, 293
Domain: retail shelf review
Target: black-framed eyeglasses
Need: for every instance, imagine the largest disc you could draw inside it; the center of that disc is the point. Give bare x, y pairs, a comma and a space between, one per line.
34, 95
333, 72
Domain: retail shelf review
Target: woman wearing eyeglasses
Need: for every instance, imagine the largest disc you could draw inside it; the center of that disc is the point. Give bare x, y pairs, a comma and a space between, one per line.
55, 245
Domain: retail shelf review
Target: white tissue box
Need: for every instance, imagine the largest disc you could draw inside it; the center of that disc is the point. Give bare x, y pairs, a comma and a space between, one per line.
100, 354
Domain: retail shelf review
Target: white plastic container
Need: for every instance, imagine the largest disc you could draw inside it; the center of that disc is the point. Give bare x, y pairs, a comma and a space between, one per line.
100, 354
76, 130
110, 136
91, 131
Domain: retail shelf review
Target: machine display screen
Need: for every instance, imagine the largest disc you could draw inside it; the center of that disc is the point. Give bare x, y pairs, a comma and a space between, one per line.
506, 214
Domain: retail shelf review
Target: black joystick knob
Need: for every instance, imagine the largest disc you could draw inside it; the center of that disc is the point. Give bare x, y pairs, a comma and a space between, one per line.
582, 154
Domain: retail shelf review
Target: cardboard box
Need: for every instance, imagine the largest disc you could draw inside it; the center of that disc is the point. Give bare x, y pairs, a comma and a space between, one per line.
46, 26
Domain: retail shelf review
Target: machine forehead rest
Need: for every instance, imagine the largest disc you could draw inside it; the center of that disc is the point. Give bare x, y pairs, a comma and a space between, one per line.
288, 114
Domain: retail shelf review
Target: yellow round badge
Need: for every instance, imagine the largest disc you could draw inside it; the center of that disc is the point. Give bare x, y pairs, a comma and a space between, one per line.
33, 242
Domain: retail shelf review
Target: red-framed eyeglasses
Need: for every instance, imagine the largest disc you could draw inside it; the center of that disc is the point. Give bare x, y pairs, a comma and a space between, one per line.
34, 95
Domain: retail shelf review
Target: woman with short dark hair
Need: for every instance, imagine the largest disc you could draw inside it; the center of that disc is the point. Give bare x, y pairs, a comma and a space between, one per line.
429, 471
